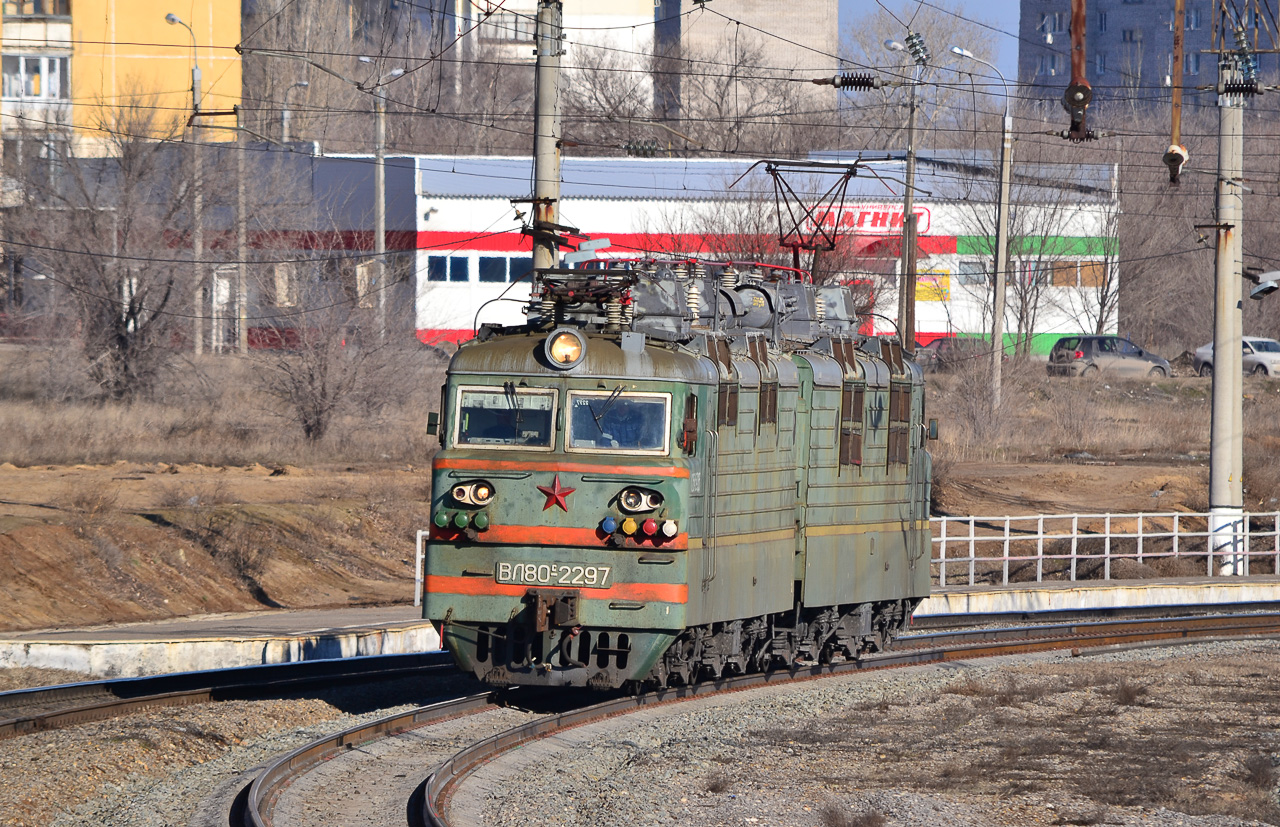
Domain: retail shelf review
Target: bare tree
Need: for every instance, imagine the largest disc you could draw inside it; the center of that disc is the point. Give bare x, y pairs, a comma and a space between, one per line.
101, 230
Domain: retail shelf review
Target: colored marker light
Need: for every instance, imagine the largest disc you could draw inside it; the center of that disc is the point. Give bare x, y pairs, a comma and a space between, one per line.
608, 525
669, 528
481, 521
650, 527
441, 519
460, 520
628, 526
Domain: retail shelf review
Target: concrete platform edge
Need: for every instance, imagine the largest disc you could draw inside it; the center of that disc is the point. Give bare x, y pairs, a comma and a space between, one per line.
1029, 598
132, 659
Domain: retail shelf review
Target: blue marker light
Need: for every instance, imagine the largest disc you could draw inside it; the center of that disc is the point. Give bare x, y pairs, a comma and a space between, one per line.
608, 525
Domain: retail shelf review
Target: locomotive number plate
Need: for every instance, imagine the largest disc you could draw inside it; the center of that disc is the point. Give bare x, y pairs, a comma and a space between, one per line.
554, 574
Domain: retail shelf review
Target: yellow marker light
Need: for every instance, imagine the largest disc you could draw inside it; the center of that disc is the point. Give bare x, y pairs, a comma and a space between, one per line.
628, 526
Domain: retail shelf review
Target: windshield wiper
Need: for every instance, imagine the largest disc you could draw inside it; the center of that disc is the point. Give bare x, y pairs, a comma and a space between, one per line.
608, 403
509, 391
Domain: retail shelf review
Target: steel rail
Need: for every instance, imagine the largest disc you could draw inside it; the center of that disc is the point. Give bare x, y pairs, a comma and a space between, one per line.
922, 649
43, 708
266, 788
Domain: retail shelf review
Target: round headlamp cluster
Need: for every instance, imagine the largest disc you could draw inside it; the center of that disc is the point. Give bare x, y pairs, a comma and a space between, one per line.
478, 493
565, 348
636, 500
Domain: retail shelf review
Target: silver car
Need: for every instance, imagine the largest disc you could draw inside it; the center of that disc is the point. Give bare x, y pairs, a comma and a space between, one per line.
1261, 357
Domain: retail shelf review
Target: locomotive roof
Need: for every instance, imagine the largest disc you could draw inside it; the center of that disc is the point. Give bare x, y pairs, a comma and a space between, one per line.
521, 354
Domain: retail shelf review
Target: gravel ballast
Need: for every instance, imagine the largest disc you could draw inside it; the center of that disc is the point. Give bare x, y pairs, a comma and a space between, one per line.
1180, 736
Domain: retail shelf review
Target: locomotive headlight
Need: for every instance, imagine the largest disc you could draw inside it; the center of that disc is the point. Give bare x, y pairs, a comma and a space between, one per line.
632, 499
635, 500
473, 493
565, 348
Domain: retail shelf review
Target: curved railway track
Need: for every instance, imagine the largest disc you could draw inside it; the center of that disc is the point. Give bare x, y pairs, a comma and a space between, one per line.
51, 707
430, 803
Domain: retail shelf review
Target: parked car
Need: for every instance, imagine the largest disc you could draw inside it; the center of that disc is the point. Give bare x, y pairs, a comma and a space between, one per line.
1112, 355
949, 352
1261, 357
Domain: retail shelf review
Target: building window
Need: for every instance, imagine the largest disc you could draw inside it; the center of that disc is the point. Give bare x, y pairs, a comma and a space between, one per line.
1192, 20
508, 26
448, 268
521, 266
35, 77
1052, 23
1093, 273
972, 272
1062, 274
493, 268
1102, 22
1100, 63
1191, 63
37, 8
1049, 65
1131, 36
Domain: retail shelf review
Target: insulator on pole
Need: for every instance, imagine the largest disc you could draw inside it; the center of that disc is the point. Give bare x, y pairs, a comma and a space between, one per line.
916, 46
851, 80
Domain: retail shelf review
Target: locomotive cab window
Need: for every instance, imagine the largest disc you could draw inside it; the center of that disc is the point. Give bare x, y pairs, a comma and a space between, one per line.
620, 422
505, 416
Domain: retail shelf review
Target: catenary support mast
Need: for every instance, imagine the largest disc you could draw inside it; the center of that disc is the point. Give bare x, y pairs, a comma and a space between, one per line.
546, 142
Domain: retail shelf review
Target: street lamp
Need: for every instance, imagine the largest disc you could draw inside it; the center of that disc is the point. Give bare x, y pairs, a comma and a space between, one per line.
1002, 234
197, 196
380, 194
907, 287
173, 20
284, 113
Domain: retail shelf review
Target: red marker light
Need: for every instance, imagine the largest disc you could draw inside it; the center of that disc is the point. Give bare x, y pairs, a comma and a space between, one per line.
1079, 354
650, 527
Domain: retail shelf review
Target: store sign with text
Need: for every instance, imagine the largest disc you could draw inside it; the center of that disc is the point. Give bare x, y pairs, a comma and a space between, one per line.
874, 219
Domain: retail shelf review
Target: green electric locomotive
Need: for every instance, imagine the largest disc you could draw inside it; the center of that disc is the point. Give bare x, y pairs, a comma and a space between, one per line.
675, 472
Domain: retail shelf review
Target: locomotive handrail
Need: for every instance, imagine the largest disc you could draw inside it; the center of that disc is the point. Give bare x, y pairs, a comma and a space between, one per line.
1002, 550
711, 494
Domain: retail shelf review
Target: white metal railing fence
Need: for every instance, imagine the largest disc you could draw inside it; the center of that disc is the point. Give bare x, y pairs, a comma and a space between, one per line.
1003, 550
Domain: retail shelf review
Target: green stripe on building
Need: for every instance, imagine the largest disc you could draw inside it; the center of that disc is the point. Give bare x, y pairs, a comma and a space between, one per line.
1033, 247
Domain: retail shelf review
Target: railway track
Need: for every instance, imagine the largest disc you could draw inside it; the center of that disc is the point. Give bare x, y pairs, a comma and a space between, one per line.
42, 708
428, 802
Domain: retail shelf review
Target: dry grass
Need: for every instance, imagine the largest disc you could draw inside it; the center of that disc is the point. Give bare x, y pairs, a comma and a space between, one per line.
719, 782
837, 815
1041, 418
208, 412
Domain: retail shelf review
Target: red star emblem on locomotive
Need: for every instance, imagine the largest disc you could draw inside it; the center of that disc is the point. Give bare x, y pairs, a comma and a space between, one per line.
556, 495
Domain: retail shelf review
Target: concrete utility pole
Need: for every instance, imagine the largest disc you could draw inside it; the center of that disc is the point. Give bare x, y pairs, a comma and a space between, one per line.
380, 193
380, 211
1226, 430
197, 196
1002, 234
548, 42
242, 242
919, 52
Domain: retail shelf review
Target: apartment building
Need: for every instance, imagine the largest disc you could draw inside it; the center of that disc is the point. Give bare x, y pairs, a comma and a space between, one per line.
74, 66
1129, 47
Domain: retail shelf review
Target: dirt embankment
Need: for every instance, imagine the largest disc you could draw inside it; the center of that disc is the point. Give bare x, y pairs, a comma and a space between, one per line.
84, 545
